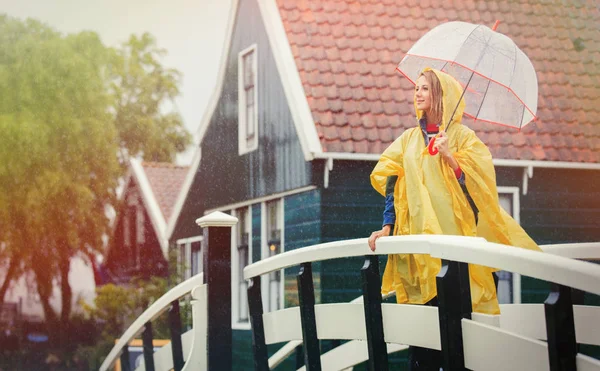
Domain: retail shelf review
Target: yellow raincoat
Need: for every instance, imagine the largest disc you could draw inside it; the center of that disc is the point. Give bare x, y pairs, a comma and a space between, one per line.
429, 200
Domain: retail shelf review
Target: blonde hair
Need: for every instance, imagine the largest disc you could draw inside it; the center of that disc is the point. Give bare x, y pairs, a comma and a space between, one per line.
436, 110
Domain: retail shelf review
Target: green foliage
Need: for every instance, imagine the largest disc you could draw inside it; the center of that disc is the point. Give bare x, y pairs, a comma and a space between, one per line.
58, 167
116, 307
71, 112
141, 87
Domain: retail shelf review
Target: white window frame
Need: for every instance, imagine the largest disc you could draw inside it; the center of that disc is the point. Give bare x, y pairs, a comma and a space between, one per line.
236, 324
134, 216
516, 208
141, 225
186, 259
245, 145
140, 231
126, 228
265, 251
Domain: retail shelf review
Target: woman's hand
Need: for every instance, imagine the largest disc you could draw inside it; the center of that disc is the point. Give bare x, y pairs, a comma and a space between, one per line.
385, 231
441, 144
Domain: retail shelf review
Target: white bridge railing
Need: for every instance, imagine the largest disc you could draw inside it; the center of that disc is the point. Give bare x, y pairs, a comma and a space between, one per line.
524, 319
518, 334
523, 337
193, 339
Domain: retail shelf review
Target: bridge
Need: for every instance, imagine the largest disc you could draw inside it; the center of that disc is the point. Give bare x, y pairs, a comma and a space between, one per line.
523, 337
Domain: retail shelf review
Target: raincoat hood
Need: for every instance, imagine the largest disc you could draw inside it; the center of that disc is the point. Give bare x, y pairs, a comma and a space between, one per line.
451, 99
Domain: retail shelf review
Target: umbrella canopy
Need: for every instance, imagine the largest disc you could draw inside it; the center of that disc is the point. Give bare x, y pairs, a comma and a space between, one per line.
499, 80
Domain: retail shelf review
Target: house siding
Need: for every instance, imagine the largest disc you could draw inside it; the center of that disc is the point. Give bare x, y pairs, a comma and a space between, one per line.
256, 232
350, 209
302, 215
278, 165
561, 206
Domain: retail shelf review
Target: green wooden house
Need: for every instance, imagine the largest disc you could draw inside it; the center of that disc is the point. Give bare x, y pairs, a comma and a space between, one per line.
307, 98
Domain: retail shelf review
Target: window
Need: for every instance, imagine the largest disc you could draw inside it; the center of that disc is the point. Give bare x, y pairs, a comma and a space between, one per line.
181, 259
240, 256
189, 257
126, 230
274, 246
141, 237
509, 284
133, 229
242, 250
247, 105
196, 257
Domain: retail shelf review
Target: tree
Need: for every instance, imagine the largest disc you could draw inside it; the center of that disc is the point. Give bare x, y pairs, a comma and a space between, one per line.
71, 111
58, 168
142, 88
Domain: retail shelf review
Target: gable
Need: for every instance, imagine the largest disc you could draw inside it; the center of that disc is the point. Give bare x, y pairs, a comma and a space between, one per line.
165, 181
155, 186
224, 176
296, 101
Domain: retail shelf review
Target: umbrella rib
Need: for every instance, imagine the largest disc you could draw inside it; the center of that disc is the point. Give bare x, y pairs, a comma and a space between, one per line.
444, 66
484, 94
458, 104
514, 67
522, 115
468, 37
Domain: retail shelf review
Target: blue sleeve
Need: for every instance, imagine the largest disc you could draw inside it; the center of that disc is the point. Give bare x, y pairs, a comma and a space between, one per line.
389, 213
461, 180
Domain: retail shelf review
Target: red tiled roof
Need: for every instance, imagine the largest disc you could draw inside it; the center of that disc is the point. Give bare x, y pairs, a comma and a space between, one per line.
347, 51
166, 181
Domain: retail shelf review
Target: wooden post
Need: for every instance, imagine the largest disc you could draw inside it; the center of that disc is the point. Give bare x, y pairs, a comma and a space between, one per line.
454, 297
175, 328
217, 274
371, 287
125, 365
148, 347
306, 293
259, 347
560, 329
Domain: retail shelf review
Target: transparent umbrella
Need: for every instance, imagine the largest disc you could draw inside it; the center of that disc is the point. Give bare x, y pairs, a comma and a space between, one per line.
499, 81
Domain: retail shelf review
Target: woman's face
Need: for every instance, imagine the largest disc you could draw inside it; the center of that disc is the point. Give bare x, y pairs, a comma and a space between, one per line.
422, 94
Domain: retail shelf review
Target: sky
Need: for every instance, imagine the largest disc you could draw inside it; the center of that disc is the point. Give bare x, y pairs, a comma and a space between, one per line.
192, 32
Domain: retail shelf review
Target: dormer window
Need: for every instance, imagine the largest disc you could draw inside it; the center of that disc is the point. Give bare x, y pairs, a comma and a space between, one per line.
247, 107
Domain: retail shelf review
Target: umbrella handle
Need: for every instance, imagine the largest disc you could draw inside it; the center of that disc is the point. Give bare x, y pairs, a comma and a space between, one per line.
432, 151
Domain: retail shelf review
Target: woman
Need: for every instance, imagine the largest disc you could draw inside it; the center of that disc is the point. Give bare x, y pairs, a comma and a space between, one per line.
451, 193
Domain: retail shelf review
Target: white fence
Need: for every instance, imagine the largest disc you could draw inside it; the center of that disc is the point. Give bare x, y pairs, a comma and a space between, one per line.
518, 334
515, 339
191, 340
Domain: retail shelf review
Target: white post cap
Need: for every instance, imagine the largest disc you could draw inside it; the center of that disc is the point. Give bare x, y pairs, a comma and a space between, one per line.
217, 219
